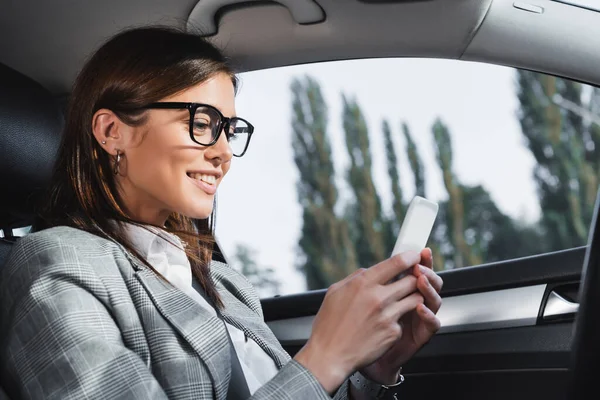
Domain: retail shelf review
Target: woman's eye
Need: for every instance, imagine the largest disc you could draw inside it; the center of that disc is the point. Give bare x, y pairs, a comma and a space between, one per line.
201, 127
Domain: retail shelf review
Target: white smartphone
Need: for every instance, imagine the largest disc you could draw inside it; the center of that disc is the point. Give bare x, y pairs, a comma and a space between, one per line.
416, 227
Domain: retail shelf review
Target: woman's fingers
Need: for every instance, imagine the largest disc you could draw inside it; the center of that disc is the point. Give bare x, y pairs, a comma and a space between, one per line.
401, 288
432, 298
407, 304
431, 321
436, 281
388, 269
427, 258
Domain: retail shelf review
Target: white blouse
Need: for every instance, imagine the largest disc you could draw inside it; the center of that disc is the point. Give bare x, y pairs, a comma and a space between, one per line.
172, 263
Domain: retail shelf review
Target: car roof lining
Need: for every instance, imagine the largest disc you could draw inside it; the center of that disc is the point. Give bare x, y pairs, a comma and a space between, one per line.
356, 30
259, 35
563, 41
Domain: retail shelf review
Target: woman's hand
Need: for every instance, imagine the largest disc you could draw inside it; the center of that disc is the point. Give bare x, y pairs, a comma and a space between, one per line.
359, 320
418, 326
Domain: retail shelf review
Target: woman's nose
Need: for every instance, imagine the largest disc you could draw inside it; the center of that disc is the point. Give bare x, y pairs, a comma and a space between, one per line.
221, 149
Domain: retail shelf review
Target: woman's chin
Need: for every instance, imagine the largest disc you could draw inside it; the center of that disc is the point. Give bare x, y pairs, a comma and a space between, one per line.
198, 212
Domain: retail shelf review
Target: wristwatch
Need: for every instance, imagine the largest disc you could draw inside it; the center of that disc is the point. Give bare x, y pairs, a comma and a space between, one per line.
376, 390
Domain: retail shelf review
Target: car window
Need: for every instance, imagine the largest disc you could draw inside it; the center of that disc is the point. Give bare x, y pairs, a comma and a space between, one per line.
340, 149
18, 232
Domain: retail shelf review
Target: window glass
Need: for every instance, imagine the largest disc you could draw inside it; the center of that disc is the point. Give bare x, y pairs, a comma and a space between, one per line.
340, 149
18, 232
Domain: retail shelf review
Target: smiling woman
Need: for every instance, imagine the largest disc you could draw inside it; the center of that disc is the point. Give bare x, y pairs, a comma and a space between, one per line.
115, 294
140, 158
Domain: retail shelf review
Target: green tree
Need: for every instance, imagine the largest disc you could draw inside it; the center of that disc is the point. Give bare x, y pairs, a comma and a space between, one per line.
262, 278
493, 235
326, 248
489, 234
455, 217
414, 159
438, 235
365, 212
398, 205
471, 224
565, 147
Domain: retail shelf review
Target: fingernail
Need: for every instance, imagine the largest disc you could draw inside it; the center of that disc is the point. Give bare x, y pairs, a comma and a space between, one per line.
422, 268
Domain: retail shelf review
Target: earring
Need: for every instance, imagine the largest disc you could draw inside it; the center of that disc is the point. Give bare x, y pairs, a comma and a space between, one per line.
117, 161
104, 142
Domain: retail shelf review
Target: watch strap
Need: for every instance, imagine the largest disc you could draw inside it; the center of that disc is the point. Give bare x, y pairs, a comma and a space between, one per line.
373, 389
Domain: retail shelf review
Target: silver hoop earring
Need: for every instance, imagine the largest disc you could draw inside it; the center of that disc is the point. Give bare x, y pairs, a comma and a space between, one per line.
117, 161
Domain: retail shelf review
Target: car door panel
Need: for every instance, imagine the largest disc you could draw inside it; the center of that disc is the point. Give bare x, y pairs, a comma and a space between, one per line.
506, 330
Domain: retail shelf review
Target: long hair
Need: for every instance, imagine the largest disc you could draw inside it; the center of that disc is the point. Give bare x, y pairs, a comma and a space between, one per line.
132, 69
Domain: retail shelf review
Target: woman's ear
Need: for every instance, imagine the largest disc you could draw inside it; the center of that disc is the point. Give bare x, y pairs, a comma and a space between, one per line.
108, 130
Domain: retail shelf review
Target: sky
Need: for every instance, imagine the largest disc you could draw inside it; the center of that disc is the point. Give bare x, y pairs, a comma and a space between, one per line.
257, 200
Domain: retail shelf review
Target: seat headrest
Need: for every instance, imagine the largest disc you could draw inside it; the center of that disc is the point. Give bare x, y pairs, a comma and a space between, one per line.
31, 124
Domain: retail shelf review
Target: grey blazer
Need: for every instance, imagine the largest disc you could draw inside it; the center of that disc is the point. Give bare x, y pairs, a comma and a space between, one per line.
82, 318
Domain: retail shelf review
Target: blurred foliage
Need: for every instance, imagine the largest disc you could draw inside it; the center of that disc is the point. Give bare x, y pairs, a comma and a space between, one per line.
470, 228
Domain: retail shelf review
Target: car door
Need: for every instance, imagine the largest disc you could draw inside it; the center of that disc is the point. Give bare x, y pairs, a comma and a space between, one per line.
506, 330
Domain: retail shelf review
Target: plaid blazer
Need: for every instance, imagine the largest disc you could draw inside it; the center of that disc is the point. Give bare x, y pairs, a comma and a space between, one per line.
82, 318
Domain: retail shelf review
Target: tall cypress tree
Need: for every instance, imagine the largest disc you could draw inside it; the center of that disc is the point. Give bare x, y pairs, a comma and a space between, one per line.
398, 206
455, 217
414, 159
438, 235
365, 210
328, 252
565, 148
472, 228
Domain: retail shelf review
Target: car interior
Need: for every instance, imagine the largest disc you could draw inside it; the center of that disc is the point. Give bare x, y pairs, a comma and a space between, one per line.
519, 329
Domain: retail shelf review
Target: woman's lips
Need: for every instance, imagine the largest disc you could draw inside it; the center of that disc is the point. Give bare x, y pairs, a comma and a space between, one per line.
208, 188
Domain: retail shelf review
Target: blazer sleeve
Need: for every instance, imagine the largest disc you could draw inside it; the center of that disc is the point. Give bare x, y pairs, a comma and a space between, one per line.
57, 337
294, 382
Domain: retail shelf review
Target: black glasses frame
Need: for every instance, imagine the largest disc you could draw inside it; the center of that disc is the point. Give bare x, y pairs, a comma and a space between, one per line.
223, 124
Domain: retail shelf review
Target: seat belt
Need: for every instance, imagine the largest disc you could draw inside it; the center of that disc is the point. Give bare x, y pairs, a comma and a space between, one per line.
238, 387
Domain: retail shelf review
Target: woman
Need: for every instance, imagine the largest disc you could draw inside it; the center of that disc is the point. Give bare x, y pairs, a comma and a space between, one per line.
116, 296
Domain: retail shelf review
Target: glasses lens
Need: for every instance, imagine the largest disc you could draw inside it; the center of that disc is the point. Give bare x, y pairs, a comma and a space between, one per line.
205, 125
238, 136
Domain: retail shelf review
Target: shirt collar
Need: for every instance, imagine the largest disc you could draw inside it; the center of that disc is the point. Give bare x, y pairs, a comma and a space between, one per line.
147, 239
164, 251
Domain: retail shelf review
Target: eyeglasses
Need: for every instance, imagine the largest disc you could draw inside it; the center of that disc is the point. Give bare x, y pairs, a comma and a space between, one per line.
207, 123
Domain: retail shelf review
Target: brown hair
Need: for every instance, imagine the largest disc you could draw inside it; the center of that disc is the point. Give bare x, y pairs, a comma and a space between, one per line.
134, 68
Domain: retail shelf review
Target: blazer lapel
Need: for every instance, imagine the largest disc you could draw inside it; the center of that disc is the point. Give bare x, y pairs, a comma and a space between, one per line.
204, 332
242, 310
239, 315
